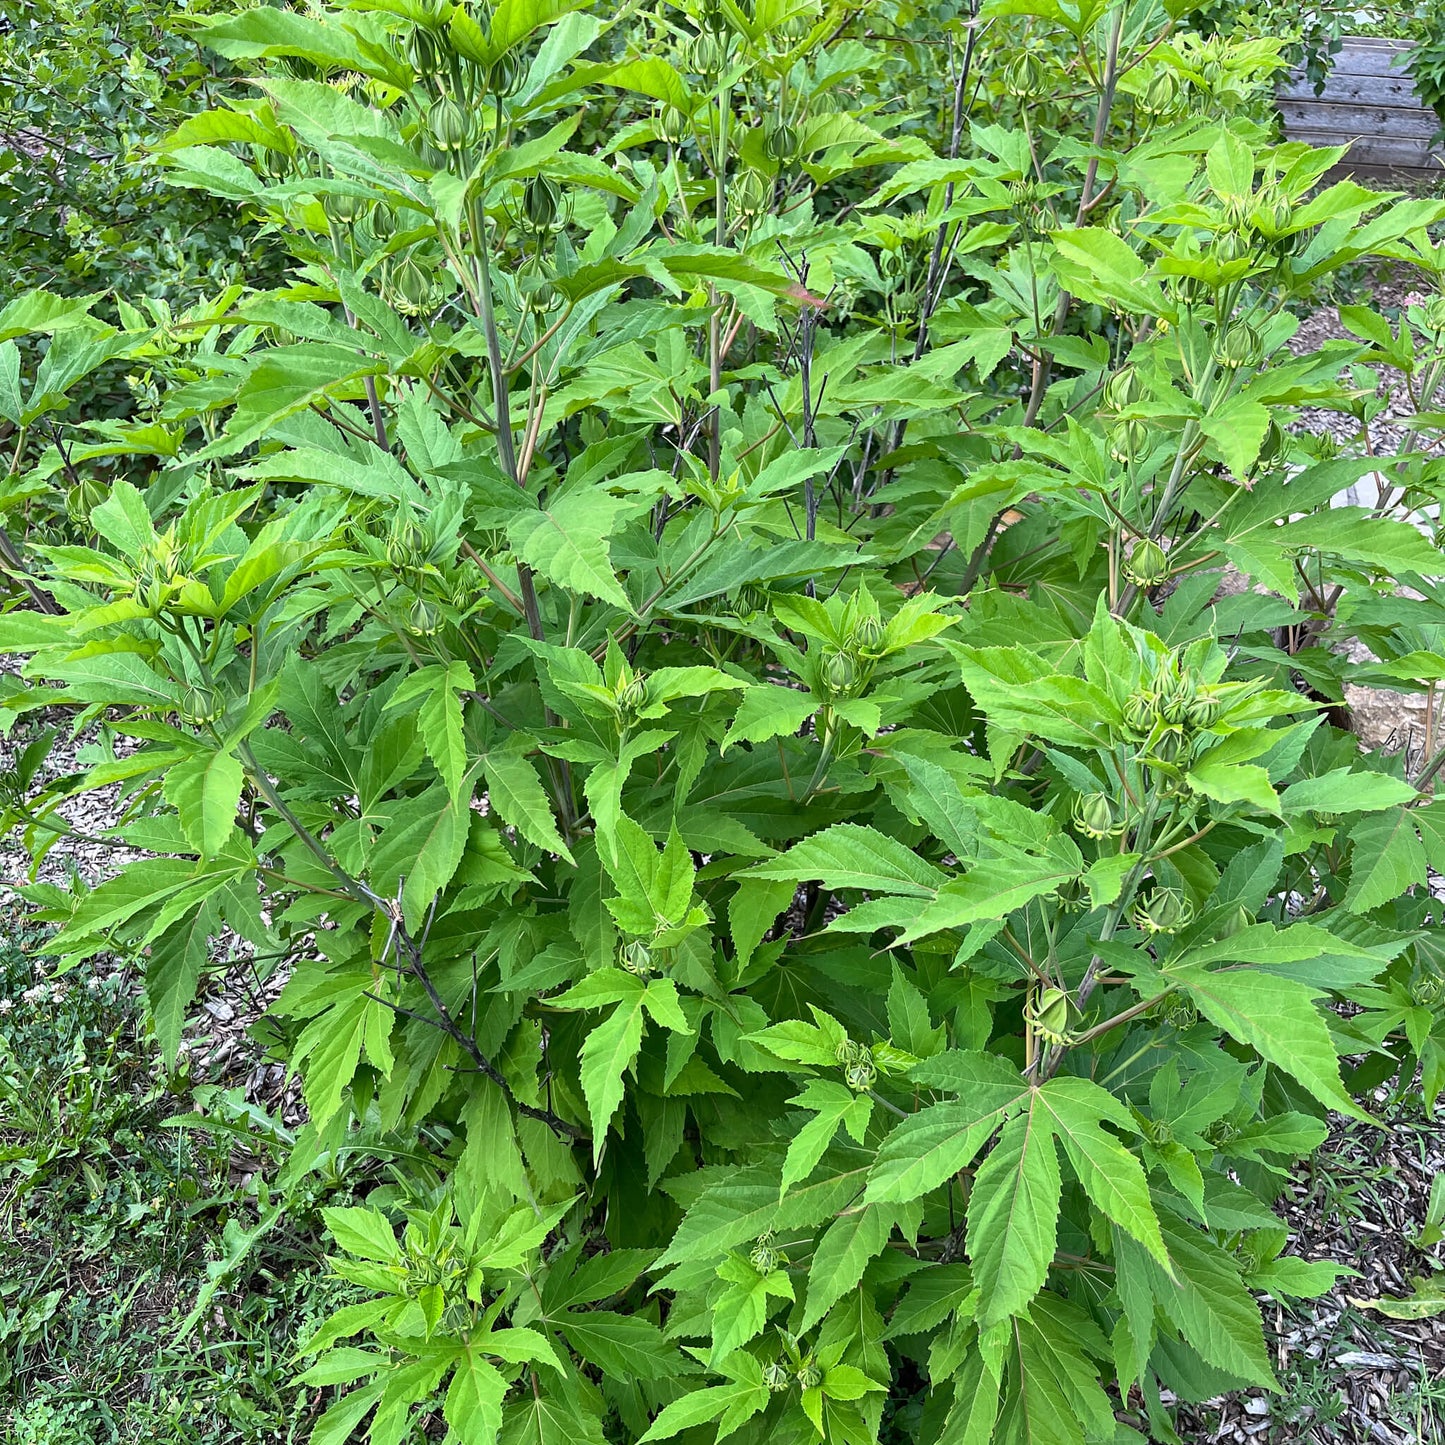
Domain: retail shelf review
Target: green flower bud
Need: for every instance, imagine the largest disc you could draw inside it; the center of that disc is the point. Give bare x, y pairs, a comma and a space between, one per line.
383, 221
1435, 315
407, 544
1180, 1012
1025, 76
1141, 712
1274, 447
1071, 894
867, 635
427, 53
341, 207
1231, 246
82, 500
1048, 1013
750, 195
413, 288
777, 1376
1204, 711
1162, 910
1161, 95
450, 126
540, 202
764, 1256
200, 705
1128, 441
636, 958
1021, 194
506, 74
839, 675
861, 1077
1123, 389
1169, 746
1176, 700
707, 55
1095, 816
1147, 565
809, 1376
1272, 215
1239, 347
632, 695
713, 17
1428, 987
423, 620
781, 143
1158, 1131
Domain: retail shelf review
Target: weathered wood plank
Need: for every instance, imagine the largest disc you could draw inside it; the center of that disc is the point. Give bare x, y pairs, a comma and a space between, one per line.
1367, 55
1369, 104
1353, 90
1345, 121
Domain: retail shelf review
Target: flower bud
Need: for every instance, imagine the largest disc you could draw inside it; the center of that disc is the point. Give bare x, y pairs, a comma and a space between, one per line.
450, 126
1071, 894
1161, 94
777, 1376
839, 675
1275, 445
1141, 712
423, 619
1048, 1013
1095, 816
1180, 1012
764, 1256
1128, 441
809, 1376
383, 221
861, 1077
636, 958
781, 143
1239, 347
506, 74
632, 695
412, 288
712, 16
1204, 711
1162, 910
1435, 315
1147, 566
540, 200
1123, 389
199, 706
1025, 76
1176, 700
867, 635
407, 544
426, 52
1428, 987
750, 195
342, 207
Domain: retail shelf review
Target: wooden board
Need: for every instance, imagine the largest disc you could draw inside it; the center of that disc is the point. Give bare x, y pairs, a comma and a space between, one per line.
1369, 104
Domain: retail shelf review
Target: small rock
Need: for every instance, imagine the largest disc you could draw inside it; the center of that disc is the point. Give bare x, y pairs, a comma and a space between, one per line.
1365, 1360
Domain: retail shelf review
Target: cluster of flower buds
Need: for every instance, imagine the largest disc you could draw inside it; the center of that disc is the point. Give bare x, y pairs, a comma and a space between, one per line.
860, 1073
159, 574
845, 670
765, 1256
1161, 910
1175, 705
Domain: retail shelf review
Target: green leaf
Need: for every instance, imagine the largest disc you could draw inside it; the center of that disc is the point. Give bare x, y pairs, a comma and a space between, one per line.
1013, 1212
1386, 860
1112, 1175
173, 971
567, 543
847, 1247
609, 1051
849, 855
516, 793
473, 1406
767, 712
205, 790
743, 1397
365, 1233
1278, 1018
625, 1347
